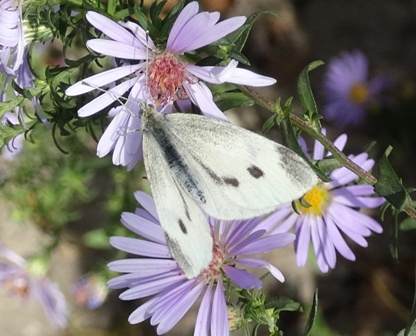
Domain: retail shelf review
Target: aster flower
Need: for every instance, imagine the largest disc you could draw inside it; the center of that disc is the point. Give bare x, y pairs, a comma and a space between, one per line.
348, 90
90, 290
12, 42
332, 214
17, 276
155, 274
161, 76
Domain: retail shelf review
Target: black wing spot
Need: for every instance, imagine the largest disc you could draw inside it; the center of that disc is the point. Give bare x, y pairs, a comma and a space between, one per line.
255, 171
182, 226
211, 173
232, 181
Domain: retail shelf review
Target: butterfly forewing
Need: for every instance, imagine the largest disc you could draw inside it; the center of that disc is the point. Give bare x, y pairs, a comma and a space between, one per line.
186, 228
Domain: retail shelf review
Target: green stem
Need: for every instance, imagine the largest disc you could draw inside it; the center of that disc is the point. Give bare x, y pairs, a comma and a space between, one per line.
312, 131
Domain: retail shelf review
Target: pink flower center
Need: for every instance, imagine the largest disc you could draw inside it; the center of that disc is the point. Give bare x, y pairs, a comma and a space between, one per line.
214, 269
166, 77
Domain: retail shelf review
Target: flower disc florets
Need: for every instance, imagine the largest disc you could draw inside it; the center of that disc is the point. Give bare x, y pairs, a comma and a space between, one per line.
318, 199
166, 77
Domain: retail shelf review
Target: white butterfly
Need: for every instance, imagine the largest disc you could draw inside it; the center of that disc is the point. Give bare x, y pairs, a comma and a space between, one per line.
197, 164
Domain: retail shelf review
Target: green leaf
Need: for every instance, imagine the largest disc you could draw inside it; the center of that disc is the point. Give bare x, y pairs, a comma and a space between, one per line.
305, 93
111, 8
240, 37
97, 239
408, 224
229, 100
10, 105
388, 183
283, 304
312, 314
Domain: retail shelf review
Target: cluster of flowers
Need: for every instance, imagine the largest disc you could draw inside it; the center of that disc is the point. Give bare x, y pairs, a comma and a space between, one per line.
161, 77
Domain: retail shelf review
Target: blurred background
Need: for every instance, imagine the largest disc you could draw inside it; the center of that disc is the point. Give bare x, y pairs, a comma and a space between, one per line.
79, 197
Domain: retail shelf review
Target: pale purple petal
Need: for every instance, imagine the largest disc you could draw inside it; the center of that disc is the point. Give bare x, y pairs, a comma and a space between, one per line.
145, 267
146, 201
273, 223
303, 235
151, 286
141, 313
338, 240
219, 320
347, 197
260, 263
143, 227
105, 99
198, 25
326, 243
203, 319
117, 49
12, 256
319, 149
143, 36
140, 247
266, 244
114, 30
241, 278
113, 131
53, 302
192, 30
211, 74
340, 142
185, 15
101, 79
169, 317
252, 237
250, 78
213, 33
201, 96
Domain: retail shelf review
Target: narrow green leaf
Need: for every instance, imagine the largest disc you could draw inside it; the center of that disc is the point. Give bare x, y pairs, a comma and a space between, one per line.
312, 315
241, 37
229, 100
305, 91
388, 183
10, 105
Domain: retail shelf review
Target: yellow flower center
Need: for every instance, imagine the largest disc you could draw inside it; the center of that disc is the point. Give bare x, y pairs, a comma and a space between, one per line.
315, 201
359, 93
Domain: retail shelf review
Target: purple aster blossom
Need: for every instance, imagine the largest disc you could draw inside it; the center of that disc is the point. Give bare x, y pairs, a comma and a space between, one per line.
161, 76
332, 214
12, 41
90, 290
348, 90
16, 276
156, 275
